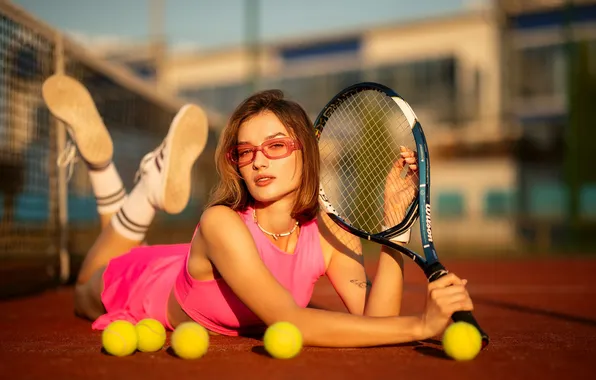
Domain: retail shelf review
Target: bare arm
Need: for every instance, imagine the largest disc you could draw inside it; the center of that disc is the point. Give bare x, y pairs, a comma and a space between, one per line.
347, 274
345, 267
238, 262
387, 289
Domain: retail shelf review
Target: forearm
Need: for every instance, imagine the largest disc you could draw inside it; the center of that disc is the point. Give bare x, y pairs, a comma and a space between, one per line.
387, 287
336, 329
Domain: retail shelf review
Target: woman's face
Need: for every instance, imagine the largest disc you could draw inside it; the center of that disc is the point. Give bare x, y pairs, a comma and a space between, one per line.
269, 180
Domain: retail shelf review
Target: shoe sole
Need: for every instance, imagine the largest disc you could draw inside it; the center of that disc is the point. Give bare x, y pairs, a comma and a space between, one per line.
189, 137
69, 101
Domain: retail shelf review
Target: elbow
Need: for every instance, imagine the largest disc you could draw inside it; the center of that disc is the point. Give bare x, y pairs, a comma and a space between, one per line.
290, 312
306, 322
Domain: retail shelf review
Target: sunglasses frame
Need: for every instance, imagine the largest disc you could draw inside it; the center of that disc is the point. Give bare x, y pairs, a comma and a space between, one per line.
292, 144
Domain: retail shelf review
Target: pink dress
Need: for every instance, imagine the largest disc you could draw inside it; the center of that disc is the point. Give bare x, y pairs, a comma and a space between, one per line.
137, 285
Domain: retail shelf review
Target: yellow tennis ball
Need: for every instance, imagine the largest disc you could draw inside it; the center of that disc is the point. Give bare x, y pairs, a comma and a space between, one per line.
462, 341
119, 338
151, 335
283, 340
190, 340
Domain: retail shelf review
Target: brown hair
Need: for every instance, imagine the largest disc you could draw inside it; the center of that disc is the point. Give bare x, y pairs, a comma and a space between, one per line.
231, 190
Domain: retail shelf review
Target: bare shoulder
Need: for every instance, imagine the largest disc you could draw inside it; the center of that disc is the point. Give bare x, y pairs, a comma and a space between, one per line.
214, 215
220, 227
212, 240
211, 226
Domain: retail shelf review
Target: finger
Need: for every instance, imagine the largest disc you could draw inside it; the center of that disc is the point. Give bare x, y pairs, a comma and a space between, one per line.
460, 305
450, 290
454, 302
445, 295
411, 165
410, 160
447, 280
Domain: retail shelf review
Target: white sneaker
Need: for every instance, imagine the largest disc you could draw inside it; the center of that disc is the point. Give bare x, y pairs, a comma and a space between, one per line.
166, 171
69, 101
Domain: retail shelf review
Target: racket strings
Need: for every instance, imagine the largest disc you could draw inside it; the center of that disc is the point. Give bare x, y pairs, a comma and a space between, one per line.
361, 161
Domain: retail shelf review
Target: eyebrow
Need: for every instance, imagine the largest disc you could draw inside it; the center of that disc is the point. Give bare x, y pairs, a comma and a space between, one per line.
278, 134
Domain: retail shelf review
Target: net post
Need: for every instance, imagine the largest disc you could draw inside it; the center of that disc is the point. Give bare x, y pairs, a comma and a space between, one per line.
62, 175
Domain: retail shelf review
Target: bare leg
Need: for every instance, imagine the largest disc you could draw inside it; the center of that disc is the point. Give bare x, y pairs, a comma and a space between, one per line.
164, 184
165, 181
104, 220
69, 101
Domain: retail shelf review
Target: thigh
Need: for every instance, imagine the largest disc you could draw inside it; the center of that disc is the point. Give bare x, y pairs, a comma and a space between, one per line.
88, 296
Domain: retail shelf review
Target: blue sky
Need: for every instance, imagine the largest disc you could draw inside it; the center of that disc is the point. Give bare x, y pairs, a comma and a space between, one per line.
211, 24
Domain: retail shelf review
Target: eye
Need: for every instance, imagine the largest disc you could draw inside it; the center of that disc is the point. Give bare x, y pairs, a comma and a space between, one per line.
277, 145
243, 152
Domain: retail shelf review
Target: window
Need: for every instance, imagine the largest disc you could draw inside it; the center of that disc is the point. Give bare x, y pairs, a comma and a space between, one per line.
548, 199
430, 83
222, 98
344, 79
542, 71
311, 92
498, 203
450, 205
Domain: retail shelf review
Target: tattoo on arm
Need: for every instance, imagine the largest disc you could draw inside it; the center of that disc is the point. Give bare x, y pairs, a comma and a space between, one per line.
361, 284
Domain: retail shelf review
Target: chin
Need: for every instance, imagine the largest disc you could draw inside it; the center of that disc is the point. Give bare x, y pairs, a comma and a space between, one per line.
269, 195
266, 198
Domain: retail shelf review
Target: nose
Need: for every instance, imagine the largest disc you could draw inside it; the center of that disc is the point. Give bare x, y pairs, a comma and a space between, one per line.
260, 160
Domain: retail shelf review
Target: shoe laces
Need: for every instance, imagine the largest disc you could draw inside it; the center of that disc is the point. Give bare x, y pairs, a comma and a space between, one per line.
147, 159
68, 158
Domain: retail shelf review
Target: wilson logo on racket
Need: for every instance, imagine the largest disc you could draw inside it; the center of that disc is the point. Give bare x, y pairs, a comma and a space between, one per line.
429, 231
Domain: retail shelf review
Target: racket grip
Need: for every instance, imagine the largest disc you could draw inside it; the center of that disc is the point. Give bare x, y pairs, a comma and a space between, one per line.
466, 316
436, 271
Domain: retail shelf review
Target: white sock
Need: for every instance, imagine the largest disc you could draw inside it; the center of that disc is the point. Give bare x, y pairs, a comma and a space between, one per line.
136, 214
108, 189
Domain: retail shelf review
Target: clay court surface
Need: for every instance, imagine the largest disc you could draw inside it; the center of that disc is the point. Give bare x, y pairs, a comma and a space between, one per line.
540, 314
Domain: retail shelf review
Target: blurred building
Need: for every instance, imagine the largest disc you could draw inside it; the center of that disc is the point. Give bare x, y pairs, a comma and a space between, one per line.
489, 85
448, 68
551, 48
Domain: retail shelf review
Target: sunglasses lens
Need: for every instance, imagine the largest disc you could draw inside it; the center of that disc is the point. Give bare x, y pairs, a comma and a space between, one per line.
242, 155
277, 149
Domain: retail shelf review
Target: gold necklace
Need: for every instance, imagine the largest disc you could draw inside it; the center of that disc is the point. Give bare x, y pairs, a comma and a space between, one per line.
275, 236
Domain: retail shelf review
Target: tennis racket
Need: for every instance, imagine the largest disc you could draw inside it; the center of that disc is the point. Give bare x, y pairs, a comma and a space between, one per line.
367, 188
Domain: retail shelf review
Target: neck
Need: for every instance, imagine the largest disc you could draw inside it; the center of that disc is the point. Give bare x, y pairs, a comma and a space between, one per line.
276, 217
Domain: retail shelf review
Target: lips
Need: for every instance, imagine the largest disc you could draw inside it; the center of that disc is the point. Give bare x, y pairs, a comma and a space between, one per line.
262, 179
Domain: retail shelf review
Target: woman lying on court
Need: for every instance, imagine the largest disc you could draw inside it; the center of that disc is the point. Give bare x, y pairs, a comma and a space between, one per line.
260, 245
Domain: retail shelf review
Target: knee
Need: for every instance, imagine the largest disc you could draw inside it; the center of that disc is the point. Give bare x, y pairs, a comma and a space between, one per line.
87, 298
79, 300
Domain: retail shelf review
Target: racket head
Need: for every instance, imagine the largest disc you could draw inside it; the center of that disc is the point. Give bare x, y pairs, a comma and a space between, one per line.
362, 132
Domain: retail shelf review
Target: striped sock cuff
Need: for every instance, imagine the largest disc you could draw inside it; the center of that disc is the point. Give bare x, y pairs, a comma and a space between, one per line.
111, 203
128, 228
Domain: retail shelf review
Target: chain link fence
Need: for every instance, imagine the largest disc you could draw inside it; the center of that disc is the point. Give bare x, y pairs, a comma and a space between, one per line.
49, 222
